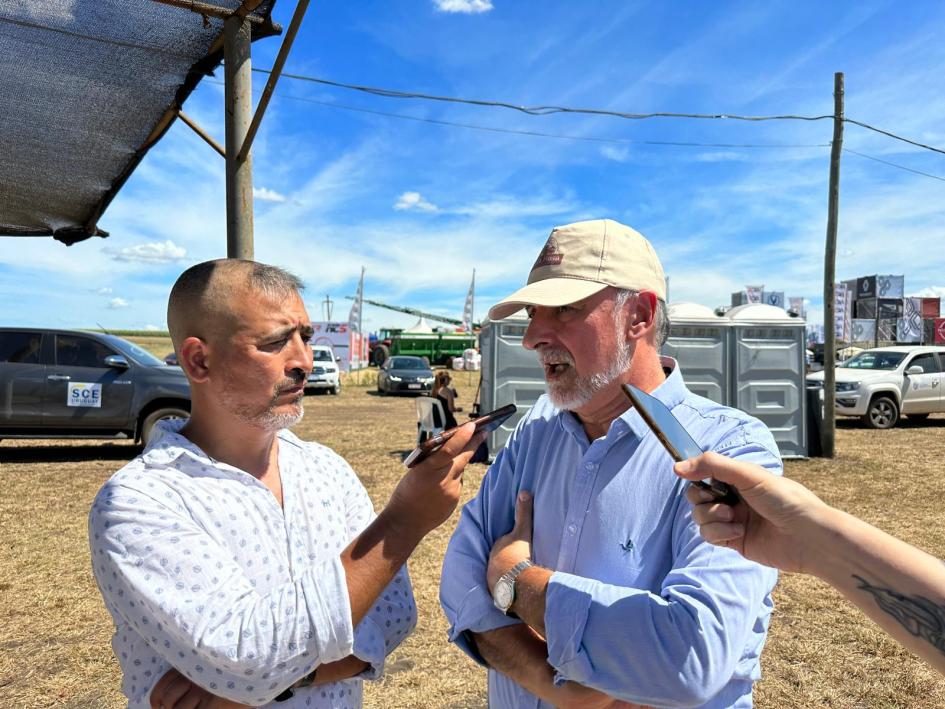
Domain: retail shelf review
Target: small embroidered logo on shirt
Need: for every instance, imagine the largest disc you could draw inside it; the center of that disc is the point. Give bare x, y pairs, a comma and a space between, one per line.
627, 546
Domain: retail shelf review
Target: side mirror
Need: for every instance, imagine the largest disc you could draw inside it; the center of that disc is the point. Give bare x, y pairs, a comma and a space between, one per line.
915, 369
116, 361
337, 358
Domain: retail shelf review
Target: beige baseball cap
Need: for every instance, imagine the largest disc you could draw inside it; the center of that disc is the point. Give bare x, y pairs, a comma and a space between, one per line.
583, 258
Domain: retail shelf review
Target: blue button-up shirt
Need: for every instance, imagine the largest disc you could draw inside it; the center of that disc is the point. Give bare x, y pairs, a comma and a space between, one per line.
639, 605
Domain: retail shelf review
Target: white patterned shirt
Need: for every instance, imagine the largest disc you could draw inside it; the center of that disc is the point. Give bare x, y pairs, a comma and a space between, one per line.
202, 570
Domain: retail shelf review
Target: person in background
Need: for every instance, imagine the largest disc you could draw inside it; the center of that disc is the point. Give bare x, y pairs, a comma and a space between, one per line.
782, 524
447, 396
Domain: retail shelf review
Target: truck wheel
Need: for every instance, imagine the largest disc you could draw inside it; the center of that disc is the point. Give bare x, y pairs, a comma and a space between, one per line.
882, 413
380, 355
160, 415
336, 389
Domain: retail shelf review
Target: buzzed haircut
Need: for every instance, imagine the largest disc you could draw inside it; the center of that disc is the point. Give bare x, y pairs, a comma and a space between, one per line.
199, 301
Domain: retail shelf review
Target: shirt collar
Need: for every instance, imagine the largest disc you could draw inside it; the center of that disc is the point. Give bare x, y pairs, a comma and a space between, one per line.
671, 392
167, 444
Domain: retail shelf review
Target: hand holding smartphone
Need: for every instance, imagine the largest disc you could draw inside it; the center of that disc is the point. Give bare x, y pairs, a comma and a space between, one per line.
489, 422
676, 439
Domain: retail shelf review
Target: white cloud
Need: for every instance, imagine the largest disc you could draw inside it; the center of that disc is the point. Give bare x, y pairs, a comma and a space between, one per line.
465, 7
118, 303
931, 292
104, 290
414, 201
153, 252
153, 328
265, 194
617, 154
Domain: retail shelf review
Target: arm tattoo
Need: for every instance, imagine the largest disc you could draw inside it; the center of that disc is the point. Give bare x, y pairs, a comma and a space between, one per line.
921, 617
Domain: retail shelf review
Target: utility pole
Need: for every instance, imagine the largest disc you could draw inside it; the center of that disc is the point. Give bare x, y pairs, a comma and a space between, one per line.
327, 303
829, 428
238, 96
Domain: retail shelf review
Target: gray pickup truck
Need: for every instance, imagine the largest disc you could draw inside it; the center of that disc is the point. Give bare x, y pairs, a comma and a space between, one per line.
77, 384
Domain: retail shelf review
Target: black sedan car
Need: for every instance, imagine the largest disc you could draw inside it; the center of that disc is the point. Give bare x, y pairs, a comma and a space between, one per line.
404, 374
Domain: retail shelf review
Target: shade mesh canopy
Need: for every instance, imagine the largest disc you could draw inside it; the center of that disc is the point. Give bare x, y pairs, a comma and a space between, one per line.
87, 87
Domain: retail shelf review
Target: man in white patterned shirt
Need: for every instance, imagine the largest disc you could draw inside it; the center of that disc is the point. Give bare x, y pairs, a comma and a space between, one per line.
239, 563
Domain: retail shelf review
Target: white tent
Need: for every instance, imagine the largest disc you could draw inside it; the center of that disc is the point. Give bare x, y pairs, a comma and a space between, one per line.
422, 326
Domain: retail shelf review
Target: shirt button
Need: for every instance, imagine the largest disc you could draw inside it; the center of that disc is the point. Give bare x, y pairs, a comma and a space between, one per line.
572, 528
590, 466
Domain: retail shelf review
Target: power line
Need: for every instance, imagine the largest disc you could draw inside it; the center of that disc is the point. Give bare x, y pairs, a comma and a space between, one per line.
540, 110
896, 165
540, 134
548, 110
893, 135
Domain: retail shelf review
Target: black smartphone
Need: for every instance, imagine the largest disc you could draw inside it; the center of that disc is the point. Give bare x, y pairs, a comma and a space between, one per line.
676, 439
489, 422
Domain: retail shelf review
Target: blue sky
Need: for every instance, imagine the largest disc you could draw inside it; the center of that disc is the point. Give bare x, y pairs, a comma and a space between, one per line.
420, 204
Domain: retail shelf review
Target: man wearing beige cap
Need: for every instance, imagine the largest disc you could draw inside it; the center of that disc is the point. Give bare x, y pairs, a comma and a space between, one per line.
576, 575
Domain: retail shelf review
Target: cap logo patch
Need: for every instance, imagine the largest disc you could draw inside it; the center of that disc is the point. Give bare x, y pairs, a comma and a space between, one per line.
550, 255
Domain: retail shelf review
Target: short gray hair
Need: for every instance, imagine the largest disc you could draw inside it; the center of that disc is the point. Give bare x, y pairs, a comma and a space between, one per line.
660, 316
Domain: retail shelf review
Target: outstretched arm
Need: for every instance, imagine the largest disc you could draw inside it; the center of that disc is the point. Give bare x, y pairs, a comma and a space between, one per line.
781, 523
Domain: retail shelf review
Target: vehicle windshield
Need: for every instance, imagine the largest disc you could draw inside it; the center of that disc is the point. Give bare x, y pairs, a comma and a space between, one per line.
874, 360
407, 363
323, 356
139, 355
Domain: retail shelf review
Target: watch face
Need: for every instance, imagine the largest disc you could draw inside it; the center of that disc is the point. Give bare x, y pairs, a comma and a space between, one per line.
503, 595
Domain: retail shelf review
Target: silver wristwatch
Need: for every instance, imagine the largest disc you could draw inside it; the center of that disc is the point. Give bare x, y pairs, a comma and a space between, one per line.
503, 595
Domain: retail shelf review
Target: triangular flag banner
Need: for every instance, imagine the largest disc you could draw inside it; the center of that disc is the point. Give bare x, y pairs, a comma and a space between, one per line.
468, 309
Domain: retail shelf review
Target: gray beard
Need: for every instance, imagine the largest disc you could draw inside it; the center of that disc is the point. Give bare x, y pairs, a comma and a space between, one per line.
569, 396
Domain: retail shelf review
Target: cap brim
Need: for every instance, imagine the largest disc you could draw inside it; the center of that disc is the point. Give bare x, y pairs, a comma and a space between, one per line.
550, 292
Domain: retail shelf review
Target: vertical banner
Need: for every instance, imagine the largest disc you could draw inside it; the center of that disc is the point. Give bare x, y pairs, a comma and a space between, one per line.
470, 303
354, 317
754, 293
356, 357
909, 326
843, 299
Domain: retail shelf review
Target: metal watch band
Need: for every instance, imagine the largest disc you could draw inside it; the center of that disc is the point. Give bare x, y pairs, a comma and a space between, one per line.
509, 578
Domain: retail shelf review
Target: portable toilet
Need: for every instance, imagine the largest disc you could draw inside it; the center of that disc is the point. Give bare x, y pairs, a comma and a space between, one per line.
698, 340
510, 373
767, 377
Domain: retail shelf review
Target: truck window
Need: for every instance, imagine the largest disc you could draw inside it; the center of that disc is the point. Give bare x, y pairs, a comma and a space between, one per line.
20, 347
927, 361
72, 351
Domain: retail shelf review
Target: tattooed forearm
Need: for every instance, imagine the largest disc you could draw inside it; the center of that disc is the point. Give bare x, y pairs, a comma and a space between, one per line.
922, 617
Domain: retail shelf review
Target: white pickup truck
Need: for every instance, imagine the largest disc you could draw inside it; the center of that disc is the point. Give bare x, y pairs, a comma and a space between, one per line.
881, 384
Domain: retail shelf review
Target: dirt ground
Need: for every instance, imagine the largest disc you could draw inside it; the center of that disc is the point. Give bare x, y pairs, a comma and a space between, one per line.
821, 652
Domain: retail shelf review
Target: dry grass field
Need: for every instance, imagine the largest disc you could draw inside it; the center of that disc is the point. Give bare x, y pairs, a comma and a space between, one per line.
821, 652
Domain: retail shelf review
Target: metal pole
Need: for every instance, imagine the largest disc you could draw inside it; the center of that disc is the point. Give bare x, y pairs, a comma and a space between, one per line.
274, 75
829, 428
238, 80
201, 132
206, 9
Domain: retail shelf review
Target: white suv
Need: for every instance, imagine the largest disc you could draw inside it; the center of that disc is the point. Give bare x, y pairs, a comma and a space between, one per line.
325, 374
880, 384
